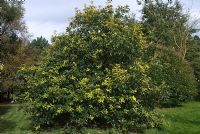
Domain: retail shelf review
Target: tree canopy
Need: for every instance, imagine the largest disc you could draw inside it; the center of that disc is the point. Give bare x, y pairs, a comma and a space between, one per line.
166, 24
93, 74
13, 52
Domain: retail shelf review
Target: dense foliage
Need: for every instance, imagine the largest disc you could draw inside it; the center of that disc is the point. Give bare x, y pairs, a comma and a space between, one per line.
39, 45
166, 28
165, 23
175, 76
193, 56
93, 74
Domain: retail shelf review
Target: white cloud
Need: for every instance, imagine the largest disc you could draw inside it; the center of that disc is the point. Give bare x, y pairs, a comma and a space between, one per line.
45, 29
45, 16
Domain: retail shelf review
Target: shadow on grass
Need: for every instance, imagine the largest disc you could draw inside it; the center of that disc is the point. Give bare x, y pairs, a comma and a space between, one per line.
4, 108
5, 124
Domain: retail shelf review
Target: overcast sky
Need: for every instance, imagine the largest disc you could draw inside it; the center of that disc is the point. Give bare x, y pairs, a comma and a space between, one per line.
44, 17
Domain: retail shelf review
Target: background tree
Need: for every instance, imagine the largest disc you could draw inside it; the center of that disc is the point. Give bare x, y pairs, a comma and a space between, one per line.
166, 24
167, 31
176, 77
12, 39
193, 56
39, 45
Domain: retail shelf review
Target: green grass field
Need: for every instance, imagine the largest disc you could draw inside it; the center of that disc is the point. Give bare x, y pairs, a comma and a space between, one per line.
12, 120
181, 120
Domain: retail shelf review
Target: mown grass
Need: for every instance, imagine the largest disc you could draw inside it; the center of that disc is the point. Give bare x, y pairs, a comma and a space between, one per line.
180, 120
13, 121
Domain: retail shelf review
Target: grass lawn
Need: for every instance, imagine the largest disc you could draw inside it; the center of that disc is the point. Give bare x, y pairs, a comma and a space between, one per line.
181, 120
13, 121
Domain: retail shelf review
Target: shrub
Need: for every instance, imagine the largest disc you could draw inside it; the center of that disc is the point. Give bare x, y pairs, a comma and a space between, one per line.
93, 74
193, 56
176, 77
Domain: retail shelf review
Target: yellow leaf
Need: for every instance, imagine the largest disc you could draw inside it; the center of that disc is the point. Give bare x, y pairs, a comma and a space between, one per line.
133, 99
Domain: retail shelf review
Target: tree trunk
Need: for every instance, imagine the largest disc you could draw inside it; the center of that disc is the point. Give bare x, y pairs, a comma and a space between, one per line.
0, 97
8, 95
